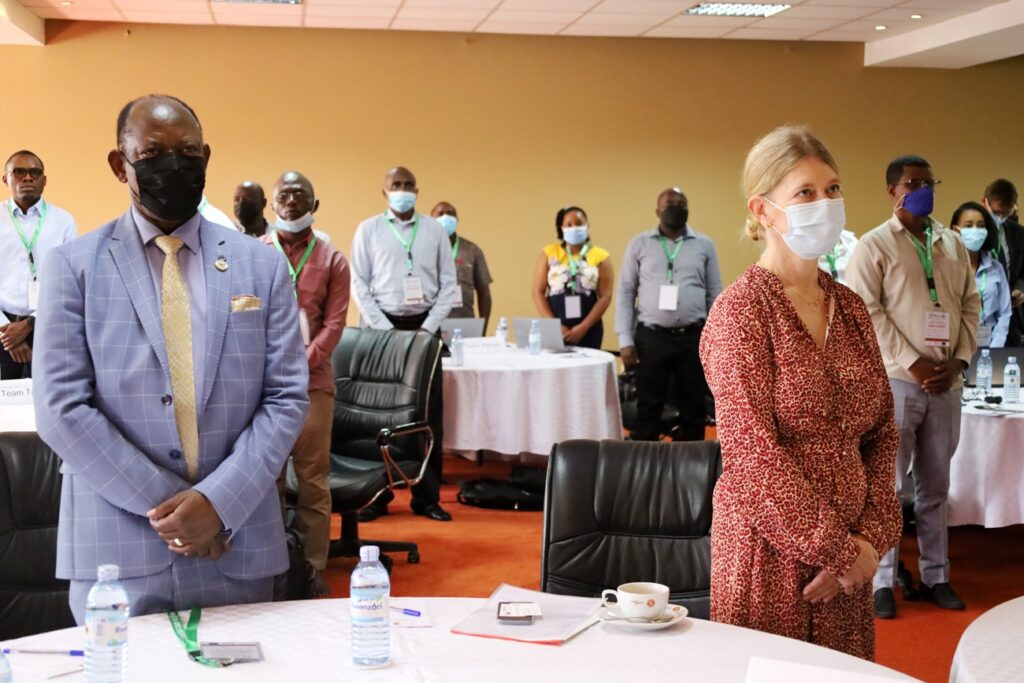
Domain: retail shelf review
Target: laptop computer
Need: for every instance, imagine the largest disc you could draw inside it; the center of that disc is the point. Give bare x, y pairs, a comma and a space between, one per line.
471, 327
999, 358
550, 333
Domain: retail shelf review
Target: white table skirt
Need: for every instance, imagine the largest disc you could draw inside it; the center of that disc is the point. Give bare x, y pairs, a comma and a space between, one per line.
505, 400
16, 411
309, 641
986, 478
990, 649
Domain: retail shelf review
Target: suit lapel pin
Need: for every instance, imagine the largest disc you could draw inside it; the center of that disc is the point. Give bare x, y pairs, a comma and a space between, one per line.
221, 264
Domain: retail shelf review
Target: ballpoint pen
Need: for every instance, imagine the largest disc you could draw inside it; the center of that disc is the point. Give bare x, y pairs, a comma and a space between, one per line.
38, 651
410, 612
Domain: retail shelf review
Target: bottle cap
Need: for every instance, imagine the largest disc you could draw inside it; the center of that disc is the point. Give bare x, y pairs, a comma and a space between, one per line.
1012, 359
984, 352
369, 553
108, 572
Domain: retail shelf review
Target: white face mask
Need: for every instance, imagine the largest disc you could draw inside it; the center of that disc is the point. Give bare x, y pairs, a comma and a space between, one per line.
297, 225
814, 228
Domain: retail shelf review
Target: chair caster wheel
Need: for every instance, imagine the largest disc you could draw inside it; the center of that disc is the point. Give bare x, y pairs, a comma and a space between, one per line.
414, 558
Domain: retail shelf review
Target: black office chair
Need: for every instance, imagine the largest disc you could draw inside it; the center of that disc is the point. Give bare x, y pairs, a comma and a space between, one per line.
621, 511
32, 599
380, 439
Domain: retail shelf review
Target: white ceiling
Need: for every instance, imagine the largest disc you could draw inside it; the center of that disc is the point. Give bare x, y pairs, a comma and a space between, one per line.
815, 20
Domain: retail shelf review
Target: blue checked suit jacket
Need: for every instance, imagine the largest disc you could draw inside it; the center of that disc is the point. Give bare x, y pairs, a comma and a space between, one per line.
100, 366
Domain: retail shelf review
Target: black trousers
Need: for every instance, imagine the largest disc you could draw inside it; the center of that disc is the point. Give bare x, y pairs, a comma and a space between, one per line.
9, 368
669, 360
428, 491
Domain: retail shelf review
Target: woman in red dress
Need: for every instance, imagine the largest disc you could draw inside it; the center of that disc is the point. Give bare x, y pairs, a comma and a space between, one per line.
806, 501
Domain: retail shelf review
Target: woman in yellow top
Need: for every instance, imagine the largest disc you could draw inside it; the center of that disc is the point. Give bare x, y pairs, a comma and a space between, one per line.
573, 280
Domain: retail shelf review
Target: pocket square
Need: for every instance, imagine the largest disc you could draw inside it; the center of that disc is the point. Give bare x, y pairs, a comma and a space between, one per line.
246, 302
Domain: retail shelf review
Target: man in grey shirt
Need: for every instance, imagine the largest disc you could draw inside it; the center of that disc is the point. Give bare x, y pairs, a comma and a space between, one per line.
404, 278
669, 280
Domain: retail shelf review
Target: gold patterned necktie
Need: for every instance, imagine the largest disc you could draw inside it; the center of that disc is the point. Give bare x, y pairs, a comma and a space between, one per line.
176, 318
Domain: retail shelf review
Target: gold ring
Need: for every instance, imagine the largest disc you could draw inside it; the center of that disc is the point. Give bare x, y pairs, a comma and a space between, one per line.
178, 543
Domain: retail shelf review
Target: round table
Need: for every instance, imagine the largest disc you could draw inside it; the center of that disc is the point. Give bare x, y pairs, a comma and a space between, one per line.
989, 650
16, 411
309, 641
503, 399
986, 478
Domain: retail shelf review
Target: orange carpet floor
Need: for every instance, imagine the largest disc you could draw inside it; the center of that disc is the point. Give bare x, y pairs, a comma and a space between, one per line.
480, 549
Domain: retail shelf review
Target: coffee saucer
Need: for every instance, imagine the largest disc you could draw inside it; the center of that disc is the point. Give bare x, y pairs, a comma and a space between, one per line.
613, 617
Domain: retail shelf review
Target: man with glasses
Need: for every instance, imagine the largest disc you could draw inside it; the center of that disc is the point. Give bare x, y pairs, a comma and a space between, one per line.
916, 279
29, 227
1001, 201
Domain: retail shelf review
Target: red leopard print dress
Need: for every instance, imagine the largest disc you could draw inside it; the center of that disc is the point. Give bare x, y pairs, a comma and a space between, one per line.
808, 450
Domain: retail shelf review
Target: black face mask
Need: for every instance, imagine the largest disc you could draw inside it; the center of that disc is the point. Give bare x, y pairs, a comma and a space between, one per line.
248, 213
171, 185
674, 217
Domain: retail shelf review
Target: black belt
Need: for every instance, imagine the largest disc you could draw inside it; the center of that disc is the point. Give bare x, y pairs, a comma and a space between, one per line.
14, 318
685, 329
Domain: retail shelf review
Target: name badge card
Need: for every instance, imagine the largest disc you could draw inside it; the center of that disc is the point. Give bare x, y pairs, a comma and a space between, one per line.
984, 336
573, 308
413, 289
458, 296
668, 298
304, 327
33, 294
936, 329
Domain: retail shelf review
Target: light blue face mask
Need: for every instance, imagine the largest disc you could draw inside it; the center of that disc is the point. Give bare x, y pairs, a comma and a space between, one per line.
973, 237
297, 225
449, 223
1000, 220
400, 202
575, 235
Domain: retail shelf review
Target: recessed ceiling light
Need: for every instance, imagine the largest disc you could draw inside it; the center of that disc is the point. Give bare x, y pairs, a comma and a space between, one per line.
916, 16
881, 28
736, 9
67, 3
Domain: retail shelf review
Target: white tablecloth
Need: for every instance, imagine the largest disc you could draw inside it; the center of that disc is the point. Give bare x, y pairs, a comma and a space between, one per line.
309, 642
986, 478
990, 649
16, 412
505, 400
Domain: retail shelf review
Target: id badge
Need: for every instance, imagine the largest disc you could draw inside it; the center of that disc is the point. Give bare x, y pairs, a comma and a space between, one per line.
33, 294
413, 289
668, 298
936, 329
984, 336
573, 308
304, 327
458, 297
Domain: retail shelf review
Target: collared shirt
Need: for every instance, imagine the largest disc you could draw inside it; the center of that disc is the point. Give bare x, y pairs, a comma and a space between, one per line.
995, 298
324, 284
15, 272
472, 273
379, 269
190, 263
841, 254
215, 215
645, 270
887, 273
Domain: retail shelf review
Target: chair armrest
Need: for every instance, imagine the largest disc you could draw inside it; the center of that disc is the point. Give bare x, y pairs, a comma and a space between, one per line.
385, 435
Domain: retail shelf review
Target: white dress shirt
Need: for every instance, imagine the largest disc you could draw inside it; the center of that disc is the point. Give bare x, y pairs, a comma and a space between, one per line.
215, 215
15, 271
379, 270
842, 253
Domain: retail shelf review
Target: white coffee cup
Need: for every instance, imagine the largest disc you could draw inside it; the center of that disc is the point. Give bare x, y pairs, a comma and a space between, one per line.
638, 600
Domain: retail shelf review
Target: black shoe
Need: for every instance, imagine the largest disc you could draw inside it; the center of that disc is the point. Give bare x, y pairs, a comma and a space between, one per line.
885, 603
373, 511
905, 582
943, 595
433, 511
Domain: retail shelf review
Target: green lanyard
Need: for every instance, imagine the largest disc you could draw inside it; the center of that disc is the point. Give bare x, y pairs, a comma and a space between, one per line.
574, 265
831, 258
671, 257
925, 255
981, 293
189, 637
294, 272
455, 249
29, 246
405, 243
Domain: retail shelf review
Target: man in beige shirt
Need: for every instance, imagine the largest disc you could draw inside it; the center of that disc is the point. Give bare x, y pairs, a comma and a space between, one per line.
916, 280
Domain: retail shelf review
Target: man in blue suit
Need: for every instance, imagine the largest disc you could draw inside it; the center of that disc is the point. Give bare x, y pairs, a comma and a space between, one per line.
171, 382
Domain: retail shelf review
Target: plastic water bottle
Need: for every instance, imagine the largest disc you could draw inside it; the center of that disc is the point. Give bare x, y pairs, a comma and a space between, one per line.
985, 371
458, 348
1011, 381
371, 615
5, 669
534, 338
106, 629
502, 332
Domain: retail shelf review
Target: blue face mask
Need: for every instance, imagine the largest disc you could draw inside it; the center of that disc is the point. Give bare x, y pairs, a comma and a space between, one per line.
575, 236
400, 202
973, 237
449, 223
920, 202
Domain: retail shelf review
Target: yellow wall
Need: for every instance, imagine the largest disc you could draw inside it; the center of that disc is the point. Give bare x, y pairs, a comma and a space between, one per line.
508, 128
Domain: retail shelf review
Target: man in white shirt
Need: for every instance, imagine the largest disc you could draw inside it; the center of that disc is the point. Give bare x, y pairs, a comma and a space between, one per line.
215, 215
29, 227
834, 262
404, 278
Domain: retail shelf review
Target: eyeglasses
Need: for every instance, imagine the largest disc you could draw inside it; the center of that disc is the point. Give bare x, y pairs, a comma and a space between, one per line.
20, 173
918, 183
